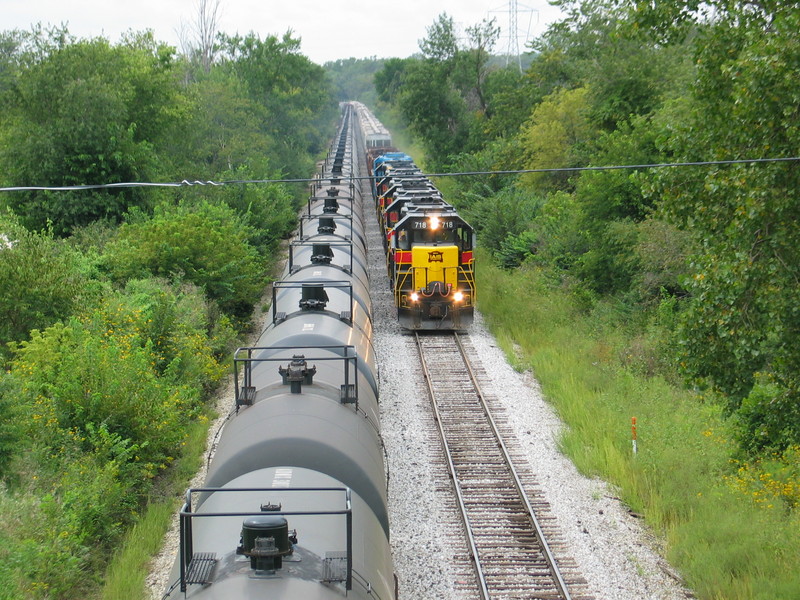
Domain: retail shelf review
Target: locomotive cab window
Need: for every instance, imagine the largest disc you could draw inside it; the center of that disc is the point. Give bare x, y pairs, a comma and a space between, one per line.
446, 233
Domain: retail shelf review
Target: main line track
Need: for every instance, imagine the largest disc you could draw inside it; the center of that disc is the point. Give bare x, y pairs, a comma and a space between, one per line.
507, 542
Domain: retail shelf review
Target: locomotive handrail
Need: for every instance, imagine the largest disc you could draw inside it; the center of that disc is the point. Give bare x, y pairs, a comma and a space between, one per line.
186, 550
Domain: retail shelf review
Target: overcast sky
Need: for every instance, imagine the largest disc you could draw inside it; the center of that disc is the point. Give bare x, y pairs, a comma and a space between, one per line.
329, 29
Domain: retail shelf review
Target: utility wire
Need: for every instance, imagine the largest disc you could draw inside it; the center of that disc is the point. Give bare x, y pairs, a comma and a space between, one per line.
187, 183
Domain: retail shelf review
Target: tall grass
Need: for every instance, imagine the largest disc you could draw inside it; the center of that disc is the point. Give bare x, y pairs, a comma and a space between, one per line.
725, 545
130, 566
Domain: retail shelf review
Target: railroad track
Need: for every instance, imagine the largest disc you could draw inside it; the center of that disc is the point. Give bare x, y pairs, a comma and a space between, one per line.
506, 531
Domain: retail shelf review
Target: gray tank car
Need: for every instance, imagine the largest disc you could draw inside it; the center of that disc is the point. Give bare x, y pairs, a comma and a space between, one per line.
282, 532
294, 504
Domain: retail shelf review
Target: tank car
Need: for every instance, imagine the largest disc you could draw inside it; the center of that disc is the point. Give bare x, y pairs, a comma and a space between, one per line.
282, 532
294, 504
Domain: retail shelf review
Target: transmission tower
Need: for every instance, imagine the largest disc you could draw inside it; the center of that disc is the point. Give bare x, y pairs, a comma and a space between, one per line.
513, 38
512, 49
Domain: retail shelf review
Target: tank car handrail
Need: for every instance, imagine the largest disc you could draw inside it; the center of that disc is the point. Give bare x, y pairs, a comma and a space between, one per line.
333, 216
186, 550
288, 285
314, 198
321, 178
348, 355
305, 243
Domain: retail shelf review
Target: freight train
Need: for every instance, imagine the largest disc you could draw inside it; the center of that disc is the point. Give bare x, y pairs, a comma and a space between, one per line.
295, 504
429, 247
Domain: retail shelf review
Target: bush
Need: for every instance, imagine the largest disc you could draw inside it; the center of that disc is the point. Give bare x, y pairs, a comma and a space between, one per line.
558, 227
769, 417
175, 321
9, 428
204, 244
504, 214
133, 369
77, 379
105, 402
42, 280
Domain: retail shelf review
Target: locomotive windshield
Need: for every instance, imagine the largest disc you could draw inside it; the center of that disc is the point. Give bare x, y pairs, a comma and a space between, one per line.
449, 233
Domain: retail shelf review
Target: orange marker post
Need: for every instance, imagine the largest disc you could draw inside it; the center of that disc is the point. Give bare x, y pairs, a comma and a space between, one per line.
633, 431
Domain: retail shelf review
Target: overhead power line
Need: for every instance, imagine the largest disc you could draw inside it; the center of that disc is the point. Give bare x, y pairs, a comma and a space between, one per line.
188, 183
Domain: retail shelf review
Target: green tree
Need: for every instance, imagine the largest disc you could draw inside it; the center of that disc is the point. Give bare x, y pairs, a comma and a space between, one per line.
88, 113
441, 43
389, 79
443, 97
508, 102
554, 136
601, 46
353, 78
744, 317
614, 203
434, 110
481, 40
296, 95
227, 129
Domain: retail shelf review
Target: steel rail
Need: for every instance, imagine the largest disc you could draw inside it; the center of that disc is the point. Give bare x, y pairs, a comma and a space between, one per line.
453, 474
548, 553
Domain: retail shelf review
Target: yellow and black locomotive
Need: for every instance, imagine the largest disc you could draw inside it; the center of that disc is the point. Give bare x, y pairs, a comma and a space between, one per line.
429, 247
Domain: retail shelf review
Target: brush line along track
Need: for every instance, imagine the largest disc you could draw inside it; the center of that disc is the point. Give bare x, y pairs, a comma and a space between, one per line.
508, 546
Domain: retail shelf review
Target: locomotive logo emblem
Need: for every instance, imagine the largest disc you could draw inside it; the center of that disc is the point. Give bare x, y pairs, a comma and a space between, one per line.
435, 256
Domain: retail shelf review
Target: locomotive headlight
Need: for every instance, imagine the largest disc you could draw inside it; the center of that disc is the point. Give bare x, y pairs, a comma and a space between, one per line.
458, 296
434, 222
414, 296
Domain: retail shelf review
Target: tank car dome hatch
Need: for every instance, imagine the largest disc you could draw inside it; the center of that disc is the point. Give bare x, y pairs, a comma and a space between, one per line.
316, 507
331, 204
343, 213
314, 297
317, 329
265, 540
326, 225
297, 373
346, 291
328, 259
322, 254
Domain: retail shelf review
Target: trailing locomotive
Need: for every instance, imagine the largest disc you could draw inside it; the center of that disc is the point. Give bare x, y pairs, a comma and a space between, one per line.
294, 504
429, 247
